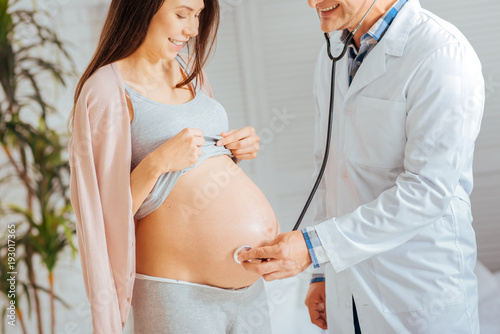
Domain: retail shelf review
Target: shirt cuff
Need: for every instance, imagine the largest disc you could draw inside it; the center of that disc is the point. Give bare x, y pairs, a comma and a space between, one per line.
317, 278
316, 250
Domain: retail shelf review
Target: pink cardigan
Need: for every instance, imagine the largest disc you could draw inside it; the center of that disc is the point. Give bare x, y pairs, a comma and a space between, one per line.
100, 157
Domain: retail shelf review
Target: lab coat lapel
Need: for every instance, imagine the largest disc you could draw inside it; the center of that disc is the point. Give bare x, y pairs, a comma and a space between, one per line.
392, 44
342, 74
372, 68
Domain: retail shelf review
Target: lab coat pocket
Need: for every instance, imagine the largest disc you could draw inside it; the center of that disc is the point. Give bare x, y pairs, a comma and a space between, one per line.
375, 132
423, 273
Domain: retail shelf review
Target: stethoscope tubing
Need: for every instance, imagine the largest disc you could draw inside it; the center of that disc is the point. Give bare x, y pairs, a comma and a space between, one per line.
330, 117
328, 136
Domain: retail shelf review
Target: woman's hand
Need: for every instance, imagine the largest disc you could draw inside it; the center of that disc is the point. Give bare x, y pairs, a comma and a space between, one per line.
181, 151
243, 143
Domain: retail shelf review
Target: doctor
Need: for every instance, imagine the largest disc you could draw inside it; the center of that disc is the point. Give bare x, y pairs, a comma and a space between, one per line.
394, 236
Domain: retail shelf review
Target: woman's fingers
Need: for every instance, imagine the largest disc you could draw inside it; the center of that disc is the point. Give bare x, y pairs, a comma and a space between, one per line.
247, 156
245, 150
229, 137
235, 136
228, 133
243, 143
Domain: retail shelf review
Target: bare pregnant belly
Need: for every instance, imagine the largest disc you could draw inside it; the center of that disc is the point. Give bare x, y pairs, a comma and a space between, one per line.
212, 210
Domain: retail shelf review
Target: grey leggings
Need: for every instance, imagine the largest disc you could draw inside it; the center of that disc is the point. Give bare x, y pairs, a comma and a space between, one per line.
163, 305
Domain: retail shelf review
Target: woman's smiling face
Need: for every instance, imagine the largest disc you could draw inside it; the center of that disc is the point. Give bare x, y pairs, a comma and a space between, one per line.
171, 27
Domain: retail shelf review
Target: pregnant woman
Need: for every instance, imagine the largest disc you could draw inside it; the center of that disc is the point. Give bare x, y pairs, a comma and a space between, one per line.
161, 204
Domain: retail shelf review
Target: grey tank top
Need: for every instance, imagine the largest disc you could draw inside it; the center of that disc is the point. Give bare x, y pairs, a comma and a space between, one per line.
154, 123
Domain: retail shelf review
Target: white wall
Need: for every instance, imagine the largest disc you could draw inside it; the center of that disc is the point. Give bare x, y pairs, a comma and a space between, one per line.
262, 70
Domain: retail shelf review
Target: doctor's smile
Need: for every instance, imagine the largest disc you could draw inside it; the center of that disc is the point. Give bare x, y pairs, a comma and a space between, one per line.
327, 10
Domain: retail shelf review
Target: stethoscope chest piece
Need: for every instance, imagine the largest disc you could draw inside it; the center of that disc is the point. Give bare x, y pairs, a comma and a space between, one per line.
244, 248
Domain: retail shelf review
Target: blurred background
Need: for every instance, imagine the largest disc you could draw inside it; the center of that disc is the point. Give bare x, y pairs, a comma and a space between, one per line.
262, 72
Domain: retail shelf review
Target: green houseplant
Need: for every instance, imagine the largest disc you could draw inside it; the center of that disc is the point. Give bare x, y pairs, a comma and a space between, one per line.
32, 58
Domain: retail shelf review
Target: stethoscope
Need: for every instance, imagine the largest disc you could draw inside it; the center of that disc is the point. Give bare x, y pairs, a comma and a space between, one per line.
330, 118
330, 122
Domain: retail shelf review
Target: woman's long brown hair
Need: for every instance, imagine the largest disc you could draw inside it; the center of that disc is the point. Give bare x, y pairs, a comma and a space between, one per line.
125, 30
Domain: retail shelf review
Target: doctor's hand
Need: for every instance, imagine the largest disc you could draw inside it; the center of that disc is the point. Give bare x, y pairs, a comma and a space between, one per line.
287, 256
243, 143
315, 302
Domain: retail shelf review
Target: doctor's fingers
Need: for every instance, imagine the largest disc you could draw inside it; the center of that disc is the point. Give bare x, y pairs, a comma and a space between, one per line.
270, 269
315, 299
285, 271
266, 252
318, 318
317, 313
273, 269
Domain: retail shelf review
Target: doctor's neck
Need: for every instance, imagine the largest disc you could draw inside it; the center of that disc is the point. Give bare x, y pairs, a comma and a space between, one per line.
378, 10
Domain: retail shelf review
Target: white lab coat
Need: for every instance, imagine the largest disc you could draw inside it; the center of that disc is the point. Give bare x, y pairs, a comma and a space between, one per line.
398, 180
